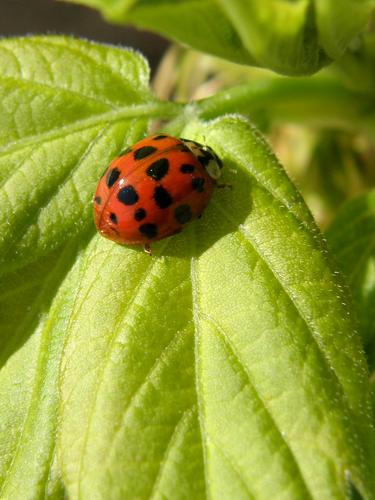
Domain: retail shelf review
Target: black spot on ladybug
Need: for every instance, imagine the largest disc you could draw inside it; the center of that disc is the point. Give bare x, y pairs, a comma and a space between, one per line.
144, 152
186, 168
140, 214
149, 230
203, 160
112, 176
159, 137
113, 217
158, 169
162, 198
198, 184
98, 200
183, 214
128, 195
125, 151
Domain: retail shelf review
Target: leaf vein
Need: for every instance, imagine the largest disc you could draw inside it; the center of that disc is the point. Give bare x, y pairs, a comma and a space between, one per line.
235, 467
35, 309
141, 283
170, 347
282, 436
198, 382
56, 190
121, 114
55, 89
181, 427
242, 230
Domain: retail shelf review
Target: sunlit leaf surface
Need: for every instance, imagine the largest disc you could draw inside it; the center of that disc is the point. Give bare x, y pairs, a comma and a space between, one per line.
224, 366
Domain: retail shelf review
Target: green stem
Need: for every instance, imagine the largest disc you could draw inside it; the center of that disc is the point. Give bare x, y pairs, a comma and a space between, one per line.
319, 101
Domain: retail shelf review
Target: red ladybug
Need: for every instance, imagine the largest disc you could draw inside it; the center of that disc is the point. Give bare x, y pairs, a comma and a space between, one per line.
153, 189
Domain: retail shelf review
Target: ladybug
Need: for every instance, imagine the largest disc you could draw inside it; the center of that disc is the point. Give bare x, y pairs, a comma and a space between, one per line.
153, 189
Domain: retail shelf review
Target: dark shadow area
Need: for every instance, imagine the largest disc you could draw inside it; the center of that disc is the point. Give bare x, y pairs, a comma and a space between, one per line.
30, 17
28, 292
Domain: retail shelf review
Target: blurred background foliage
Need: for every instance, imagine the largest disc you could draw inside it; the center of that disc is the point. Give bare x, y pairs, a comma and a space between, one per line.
324, 152
25, 17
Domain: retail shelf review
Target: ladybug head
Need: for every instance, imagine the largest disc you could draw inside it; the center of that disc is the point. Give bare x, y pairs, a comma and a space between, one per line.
207, 157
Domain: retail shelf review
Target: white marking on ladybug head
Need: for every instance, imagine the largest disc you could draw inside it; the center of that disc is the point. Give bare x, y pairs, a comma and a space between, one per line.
213, 169
207, 158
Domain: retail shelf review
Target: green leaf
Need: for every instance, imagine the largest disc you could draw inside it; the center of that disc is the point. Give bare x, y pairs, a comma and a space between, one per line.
227, 379
197, 29
59, 129
297, 37
32, 338
351, 238
278, 33
356, 65
223, 366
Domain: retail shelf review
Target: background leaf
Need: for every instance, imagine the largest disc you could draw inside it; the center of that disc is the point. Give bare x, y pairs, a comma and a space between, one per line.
225, 365
289, 37
351, 238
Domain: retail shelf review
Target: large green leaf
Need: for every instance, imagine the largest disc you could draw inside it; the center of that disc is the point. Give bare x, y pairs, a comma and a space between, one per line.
223, 366
66, 108
291, 37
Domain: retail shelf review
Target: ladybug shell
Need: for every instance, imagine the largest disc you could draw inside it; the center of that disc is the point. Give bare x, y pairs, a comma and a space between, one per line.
154, 189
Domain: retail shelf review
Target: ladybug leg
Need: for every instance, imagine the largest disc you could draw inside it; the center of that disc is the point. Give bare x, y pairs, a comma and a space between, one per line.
147, 249
224, 186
